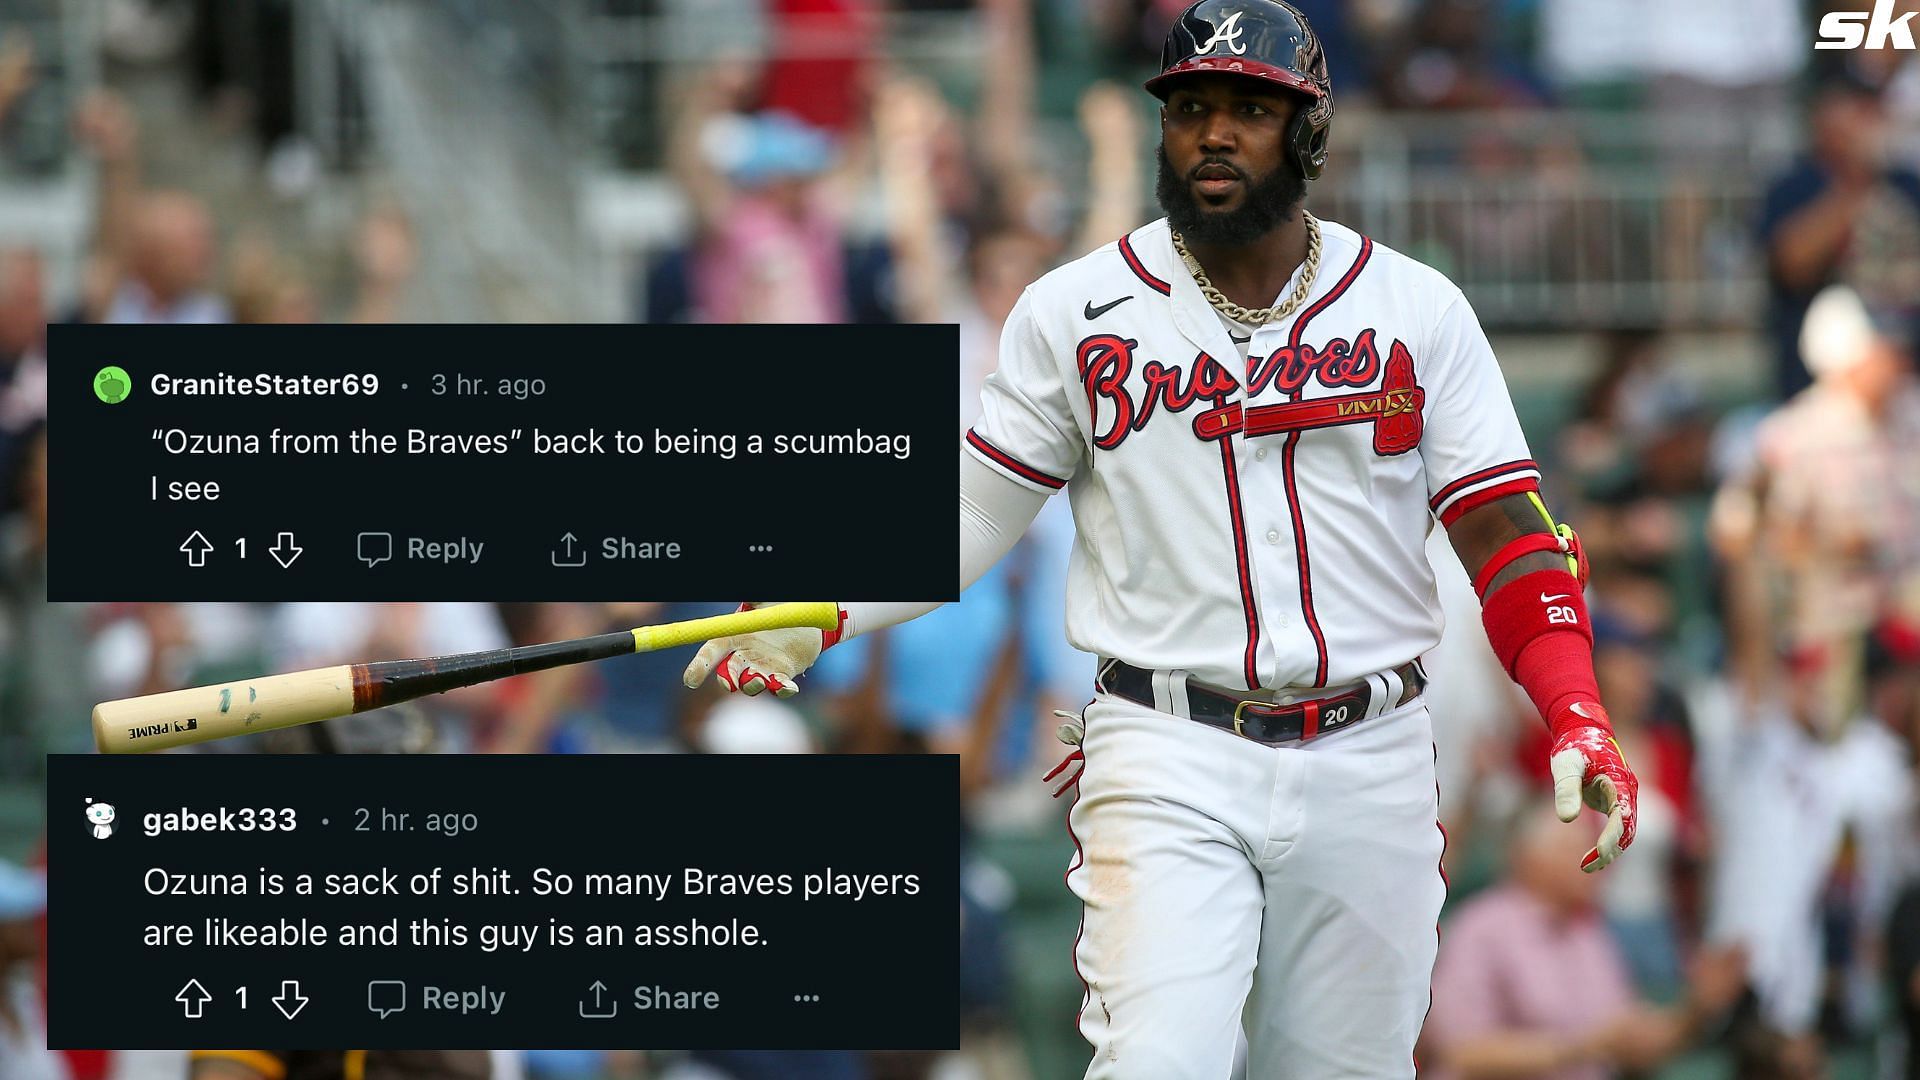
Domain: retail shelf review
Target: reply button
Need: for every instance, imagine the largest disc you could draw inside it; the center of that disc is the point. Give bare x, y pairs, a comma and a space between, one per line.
481, 1000
459, 549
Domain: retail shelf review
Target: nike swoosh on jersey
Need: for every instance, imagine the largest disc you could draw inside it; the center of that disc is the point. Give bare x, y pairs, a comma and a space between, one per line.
1092, 312
1545, 599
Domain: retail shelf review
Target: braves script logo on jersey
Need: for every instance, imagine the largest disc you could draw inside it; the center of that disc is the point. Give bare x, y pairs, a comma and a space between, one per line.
1228, 34
1336, 364
1106, 362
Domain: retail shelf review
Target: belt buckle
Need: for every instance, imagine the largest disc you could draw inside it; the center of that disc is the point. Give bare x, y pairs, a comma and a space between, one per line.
1237, 708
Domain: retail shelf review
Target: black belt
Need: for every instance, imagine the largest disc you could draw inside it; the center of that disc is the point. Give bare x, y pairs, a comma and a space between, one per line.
1265, 716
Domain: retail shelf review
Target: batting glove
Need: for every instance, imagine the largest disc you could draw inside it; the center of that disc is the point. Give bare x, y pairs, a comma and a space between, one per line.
769, 660
1587, 766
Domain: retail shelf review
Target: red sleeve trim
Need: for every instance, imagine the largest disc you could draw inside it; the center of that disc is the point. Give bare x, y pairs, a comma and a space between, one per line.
1011, 464
1475, 500
1441, 497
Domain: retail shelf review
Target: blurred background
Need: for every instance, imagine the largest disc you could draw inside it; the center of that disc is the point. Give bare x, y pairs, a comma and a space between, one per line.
1640, 198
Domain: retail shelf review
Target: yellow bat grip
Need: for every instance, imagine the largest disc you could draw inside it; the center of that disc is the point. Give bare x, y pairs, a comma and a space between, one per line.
822, 616
1573, 564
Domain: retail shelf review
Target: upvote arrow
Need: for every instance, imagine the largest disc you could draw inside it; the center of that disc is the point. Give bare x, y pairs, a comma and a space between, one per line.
196, 547
193, 997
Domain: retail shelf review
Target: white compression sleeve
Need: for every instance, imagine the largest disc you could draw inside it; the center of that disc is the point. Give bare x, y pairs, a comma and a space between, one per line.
994, 513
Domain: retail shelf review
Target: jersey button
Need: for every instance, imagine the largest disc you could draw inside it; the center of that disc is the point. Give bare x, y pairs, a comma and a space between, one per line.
1273, 536
1260, 454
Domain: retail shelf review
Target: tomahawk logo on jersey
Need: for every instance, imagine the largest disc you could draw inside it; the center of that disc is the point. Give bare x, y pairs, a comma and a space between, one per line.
1256, 522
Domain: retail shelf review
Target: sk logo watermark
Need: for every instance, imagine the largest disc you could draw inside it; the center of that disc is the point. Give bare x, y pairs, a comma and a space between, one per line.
1876, 29
1228, 34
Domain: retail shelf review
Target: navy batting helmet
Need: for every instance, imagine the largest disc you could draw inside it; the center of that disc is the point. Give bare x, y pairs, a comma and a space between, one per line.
1261, 39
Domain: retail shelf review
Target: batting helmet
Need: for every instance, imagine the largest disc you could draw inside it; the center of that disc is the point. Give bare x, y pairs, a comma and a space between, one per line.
1262, 39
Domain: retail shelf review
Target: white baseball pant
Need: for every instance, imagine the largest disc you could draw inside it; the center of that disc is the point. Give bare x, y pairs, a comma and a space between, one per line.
1290, 892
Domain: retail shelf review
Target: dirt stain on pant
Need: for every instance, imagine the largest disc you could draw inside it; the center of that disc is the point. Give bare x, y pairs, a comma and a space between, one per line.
1109, 908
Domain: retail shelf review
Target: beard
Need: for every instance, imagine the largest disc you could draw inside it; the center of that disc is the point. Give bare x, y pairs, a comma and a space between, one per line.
1267, 204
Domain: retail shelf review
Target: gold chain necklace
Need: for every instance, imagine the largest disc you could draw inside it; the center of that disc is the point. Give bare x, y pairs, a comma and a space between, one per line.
1257, 316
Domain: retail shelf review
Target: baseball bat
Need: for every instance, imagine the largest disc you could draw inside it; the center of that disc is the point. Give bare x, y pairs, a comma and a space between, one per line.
204, 713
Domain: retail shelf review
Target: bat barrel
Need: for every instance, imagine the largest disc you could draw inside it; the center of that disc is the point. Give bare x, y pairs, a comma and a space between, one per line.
180, 717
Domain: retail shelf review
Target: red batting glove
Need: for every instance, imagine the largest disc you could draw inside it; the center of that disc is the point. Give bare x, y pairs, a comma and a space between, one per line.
1587, 766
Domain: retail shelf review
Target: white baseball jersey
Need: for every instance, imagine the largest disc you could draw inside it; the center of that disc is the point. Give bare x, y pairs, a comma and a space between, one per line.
1256, 524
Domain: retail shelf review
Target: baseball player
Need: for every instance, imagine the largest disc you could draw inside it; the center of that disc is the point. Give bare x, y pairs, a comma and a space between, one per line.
1258, 417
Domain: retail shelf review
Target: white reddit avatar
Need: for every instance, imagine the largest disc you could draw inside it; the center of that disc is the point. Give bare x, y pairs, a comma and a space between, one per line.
101, 815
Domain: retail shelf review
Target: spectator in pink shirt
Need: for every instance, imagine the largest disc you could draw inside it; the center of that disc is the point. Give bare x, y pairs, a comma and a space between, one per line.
1529, 984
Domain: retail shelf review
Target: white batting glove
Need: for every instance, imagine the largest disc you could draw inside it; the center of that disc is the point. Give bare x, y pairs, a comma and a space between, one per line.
1587, 766
769, 660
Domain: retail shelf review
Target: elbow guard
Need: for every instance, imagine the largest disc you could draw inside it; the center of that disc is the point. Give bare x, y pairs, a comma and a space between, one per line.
1562, 539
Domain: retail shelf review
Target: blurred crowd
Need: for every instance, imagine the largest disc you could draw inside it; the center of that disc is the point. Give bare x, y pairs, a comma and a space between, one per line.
1756, 557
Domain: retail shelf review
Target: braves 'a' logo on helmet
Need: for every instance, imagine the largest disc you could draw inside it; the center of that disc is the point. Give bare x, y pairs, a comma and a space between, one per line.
1226, 32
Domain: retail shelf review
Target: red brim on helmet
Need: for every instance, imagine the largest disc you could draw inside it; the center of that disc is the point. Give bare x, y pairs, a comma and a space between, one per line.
1253, 69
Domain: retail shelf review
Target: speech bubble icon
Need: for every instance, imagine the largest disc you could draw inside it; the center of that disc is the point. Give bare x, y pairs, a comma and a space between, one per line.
376, 548
386, 997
